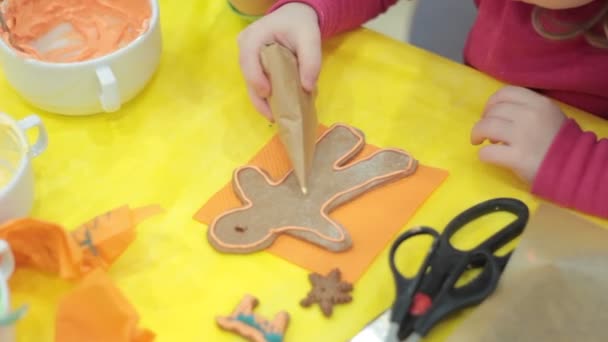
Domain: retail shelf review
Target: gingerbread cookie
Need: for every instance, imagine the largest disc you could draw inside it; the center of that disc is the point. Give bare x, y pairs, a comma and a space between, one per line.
278, 207
328, 291
252, 326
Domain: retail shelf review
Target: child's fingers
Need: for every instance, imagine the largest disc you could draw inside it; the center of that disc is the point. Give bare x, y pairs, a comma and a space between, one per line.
501, 155
260, 104
251, 65
517, 95
493, 128
308, 50
506, 111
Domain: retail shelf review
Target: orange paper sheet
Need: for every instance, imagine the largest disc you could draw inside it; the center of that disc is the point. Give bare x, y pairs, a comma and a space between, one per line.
44, 246
50, 248
372, 219
96, 311
107, 236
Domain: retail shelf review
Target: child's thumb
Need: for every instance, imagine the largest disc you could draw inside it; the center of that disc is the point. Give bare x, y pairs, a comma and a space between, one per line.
309, 60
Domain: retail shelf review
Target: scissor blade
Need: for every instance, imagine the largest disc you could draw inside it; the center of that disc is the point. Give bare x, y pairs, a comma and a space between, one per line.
376, 330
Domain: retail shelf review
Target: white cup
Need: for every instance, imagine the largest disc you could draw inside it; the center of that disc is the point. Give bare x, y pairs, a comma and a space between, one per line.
17, 193
93, 86
7, 266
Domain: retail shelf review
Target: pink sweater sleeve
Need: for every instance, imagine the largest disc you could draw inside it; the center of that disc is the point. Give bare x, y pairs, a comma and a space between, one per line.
337, 16
575, 171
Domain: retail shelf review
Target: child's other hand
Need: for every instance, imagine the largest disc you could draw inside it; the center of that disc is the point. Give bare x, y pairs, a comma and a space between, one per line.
521, 126
294, 25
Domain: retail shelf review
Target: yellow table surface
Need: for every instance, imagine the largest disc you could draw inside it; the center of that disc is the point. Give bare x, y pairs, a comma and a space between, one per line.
179, 141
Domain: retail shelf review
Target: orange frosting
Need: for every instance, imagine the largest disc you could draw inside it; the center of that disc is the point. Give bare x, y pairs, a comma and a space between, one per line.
74, 30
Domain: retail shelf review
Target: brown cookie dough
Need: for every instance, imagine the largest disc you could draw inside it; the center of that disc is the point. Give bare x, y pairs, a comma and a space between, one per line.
272, 208
327, 291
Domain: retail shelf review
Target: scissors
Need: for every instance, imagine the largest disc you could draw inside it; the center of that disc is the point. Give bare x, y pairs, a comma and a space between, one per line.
431, 295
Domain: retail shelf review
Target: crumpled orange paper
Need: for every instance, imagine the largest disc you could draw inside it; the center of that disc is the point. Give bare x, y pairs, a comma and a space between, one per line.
372, 219
99, 242
96, 311
43, 246
104, 238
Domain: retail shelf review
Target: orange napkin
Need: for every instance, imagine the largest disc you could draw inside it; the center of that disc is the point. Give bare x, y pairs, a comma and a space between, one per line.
44, 246
96, 311
105, 237
372, 219
50, 248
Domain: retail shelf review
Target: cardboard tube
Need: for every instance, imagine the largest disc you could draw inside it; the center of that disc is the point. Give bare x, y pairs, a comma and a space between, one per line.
293, 109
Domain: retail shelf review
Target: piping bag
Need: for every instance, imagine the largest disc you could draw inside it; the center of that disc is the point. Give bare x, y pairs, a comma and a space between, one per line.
293, 109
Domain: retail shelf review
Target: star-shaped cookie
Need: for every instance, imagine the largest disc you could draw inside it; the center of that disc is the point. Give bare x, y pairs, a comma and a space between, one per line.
327, 291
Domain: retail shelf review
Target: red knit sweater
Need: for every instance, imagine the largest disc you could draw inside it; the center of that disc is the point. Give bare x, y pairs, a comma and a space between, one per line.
503, 44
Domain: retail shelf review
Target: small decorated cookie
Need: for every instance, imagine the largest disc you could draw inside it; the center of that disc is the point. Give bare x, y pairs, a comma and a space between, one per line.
328, 291
253, 327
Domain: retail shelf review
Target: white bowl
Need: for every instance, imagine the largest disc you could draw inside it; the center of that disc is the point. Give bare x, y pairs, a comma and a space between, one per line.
17, 195
93, 86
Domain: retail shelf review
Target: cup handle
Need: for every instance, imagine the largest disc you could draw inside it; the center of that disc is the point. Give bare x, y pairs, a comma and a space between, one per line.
42, 141
109, 95
7, 263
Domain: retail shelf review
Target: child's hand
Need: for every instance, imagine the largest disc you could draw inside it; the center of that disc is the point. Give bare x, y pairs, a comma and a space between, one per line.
521, 125
294, 25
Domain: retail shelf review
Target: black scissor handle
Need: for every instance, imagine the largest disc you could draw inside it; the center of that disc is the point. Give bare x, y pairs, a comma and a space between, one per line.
406, 287
451, 299
500, 238
399, 277
446, 264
